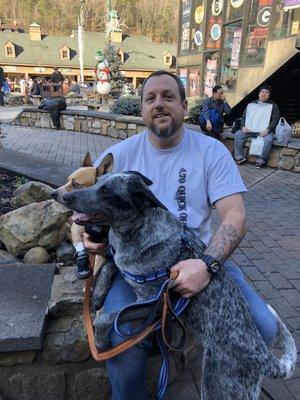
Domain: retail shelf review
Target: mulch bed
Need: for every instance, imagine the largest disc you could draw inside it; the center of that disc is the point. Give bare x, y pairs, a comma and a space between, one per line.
8, 184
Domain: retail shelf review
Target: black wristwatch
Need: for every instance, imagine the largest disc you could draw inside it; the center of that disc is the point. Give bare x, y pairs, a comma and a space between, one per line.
212, 264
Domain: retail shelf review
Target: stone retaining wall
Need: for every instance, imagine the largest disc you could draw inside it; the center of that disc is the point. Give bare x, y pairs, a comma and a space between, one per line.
63, 369
122, 127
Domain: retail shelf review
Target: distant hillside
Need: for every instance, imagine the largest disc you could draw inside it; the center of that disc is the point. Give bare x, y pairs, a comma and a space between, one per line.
154, 18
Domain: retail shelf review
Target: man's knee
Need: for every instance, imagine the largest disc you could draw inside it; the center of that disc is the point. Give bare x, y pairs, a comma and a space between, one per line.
269, 138
239, 135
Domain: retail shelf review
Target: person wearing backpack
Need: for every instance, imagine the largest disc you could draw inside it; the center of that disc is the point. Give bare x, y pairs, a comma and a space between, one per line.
211, 118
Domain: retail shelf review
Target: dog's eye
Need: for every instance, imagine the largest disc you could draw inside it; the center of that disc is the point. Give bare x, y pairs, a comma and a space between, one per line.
75, 184
104, 189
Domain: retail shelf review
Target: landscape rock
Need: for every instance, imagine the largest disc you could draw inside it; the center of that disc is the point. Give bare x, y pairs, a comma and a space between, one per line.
31, 192
66, 294
36, 255
65, 253
37, 224
7, 258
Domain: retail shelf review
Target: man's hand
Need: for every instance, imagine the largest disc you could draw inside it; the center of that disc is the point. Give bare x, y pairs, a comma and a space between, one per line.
91, 246
208, 126
245, 130
192, 277
263, 133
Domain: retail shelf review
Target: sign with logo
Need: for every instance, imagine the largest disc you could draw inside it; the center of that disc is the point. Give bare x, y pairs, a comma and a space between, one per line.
39, 69
216, 7
263, 16
210, 78
194, 80
215, 32
199, 14
9, 68
289, 4
236, 3
198, 38
235, 51
186, 7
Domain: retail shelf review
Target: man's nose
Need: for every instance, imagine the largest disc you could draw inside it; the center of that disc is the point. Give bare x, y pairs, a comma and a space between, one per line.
159, 104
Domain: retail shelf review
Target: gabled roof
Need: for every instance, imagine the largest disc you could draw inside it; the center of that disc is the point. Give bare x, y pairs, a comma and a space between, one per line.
141, 52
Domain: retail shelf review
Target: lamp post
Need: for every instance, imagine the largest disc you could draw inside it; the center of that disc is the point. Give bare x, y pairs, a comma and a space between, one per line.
80, 38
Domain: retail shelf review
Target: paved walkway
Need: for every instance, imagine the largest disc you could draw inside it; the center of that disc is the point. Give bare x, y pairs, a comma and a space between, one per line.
269, 255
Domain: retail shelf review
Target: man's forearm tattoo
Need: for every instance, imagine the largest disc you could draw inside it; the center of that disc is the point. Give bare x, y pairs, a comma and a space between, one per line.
225, 241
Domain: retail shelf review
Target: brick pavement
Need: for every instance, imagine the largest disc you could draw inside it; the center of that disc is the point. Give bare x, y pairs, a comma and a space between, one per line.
269, 255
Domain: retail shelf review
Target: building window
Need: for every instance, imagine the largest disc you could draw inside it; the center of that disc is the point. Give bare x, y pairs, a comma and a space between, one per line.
197, 27
230, 55
286, 20
234, 10
194, 81
257, 30
214, 22
65, 54
10, 50
185, 29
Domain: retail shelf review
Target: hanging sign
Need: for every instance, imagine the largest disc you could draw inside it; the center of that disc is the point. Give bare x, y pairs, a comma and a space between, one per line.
216, 7
289, 4
236, 3
198, 38
215, 32
199, 14
263, 16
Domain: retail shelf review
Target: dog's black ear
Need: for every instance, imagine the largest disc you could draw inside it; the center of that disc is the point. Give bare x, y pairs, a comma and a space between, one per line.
146, 180
106, 165
142, 197
87, 161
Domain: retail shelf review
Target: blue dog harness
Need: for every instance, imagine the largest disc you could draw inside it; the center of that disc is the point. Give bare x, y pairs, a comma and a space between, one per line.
175, 310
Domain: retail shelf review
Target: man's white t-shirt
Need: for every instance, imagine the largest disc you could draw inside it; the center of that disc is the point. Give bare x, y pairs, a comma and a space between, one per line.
188, 178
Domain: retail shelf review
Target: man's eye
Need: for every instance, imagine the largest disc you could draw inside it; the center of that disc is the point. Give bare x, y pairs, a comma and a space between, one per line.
75, 185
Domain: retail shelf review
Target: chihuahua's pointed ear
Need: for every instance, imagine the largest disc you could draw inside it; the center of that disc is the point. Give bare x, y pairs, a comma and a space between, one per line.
142, 197
106, 165
87, 161
146, 180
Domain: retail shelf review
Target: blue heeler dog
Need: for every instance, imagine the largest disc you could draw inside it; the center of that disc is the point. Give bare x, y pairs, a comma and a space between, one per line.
146, 237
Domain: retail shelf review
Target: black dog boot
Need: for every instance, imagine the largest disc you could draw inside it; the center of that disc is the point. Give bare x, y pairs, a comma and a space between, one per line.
82, 267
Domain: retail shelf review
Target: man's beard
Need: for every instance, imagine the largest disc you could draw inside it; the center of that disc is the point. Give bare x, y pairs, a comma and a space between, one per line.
165, 132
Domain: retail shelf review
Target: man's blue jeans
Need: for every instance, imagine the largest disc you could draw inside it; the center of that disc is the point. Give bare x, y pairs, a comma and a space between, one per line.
127, 371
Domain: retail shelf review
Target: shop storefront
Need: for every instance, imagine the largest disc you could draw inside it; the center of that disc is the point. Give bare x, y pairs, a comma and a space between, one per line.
229, 42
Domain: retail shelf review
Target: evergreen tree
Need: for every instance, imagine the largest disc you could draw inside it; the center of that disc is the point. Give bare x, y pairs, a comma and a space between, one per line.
116, 79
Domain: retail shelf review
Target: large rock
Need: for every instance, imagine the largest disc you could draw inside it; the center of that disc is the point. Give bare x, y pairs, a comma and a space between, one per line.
38, 224
36, 255
31, 192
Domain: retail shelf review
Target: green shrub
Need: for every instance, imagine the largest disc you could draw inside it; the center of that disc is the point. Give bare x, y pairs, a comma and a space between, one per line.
194, 107
127, 105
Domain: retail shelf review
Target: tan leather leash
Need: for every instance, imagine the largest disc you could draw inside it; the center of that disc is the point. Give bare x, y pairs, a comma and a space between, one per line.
127, 344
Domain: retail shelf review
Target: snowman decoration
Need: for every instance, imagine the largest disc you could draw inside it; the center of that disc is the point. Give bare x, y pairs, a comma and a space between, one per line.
102, 74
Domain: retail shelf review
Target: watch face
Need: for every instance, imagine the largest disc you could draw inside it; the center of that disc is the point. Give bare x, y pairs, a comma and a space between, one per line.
214, 266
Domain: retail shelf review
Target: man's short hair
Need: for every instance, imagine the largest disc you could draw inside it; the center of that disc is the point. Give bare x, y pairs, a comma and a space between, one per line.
264, 87
175, 77
216, 88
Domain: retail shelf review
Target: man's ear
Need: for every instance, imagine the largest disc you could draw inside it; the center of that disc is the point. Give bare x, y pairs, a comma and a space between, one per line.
87, 161
146, 180
142, 197
106, 165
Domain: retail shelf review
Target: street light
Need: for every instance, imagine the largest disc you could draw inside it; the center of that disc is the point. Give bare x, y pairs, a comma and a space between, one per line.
80, 38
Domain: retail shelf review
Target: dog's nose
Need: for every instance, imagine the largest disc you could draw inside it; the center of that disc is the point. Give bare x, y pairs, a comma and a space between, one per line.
66, 198
54, 194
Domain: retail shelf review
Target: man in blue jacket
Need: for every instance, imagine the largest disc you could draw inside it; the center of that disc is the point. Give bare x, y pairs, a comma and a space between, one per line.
211, 119
2, 80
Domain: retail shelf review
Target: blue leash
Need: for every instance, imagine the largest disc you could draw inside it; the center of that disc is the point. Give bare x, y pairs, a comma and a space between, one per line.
179, 307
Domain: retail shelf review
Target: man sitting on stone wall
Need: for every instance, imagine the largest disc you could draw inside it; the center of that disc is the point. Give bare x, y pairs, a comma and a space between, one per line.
259, 119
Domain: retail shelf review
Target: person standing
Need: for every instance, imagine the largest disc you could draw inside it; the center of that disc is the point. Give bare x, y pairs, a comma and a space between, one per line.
211, 117
191, 173
2, 80
56, 78
260, 118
